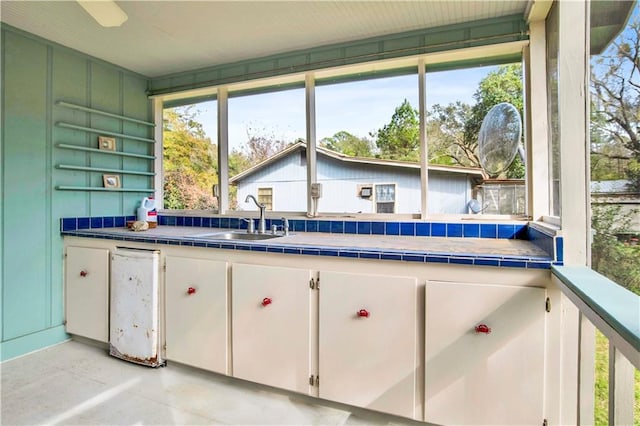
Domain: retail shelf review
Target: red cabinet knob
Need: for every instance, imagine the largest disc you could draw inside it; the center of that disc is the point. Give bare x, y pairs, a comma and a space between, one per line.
83, 273
483, 328
266, 301
191, 290
363, 313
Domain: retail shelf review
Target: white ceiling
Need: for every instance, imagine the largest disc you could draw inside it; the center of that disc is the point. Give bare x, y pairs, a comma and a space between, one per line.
165, 37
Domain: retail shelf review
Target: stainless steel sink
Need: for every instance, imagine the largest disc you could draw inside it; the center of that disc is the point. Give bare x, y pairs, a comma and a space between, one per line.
242, 236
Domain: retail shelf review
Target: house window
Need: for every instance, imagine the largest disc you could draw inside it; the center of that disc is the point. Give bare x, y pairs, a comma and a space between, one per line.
265, 196
386, 198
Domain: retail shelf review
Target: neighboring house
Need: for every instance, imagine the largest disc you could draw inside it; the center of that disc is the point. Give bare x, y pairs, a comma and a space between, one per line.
355, 185
617, 193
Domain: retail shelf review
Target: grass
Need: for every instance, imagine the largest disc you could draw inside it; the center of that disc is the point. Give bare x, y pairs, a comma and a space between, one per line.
602, 384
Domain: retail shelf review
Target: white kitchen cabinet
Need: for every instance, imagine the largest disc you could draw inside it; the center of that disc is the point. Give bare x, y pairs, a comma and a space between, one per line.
87, 292
485, 348
196, 312
270, 323
368, 341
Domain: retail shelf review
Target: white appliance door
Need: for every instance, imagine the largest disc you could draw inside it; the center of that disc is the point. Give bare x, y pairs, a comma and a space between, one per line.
134, 318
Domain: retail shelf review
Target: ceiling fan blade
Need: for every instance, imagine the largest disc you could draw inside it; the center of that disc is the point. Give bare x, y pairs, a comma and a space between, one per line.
106, 12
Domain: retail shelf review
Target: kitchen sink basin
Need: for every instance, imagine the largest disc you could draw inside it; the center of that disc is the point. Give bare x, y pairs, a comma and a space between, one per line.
241, 236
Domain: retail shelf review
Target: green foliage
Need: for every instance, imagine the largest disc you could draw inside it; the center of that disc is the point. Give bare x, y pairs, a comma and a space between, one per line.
190, 161
399, 140
618, 261
348, 144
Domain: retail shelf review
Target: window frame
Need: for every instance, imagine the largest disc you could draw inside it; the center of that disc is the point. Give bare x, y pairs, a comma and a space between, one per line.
461, 59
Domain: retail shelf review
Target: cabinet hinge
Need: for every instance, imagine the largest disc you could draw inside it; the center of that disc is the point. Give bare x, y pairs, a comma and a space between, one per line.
547, 305
311, 377
314, 380
318, 284
544, 422
312, 285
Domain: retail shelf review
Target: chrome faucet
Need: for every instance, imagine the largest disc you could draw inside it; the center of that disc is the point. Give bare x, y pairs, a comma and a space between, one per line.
262, 224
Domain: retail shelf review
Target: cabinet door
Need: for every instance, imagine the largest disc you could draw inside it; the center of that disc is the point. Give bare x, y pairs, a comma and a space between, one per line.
270, 323
484, 377
368, 361
87, 292
196, 312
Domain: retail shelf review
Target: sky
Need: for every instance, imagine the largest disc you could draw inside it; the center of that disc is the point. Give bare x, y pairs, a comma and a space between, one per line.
358, 107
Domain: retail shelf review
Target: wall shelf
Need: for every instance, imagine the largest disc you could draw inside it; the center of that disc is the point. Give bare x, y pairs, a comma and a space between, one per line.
104, 151
101, 189
103, 132
106, 114
101, 169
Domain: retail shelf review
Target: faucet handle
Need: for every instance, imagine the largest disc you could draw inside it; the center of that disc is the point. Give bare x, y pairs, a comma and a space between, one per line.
285, 225
251, 227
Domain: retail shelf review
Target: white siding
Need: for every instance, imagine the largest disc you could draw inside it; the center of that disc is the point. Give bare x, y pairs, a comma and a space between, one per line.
448, 192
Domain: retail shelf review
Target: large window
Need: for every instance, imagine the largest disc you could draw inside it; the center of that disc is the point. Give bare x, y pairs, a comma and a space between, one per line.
552, 99
368, 158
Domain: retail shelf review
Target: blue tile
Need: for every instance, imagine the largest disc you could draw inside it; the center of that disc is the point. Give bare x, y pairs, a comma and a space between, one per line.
454, 230
197, 221
423, 229
227, 246
377, 228
461, 261
96, 222
520, 232
328, 253
513, 263
539, 265
84, 223
173, 242
364, 228
199, 244
324, 226
366, 255
186, 243
438, 230
559, 249
130, 218
215, 222
506, 231
69, 224
313, 252
350, 227
347, 254
412, 258
162, 220
275, 250
437, 259
179, 221
206, 222
337, 227
488, 230
259, 248
289, 250
119, 221
390, 256
487, 262
298, 225
392, 228
172, 221
243, 247
312, 226
471, 230
408, 228
224, 222
188, 221
107, 222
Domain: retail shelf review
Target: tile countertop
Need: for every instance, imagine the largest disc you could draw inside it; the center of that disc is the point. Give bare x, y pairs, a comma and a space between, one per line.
471, 251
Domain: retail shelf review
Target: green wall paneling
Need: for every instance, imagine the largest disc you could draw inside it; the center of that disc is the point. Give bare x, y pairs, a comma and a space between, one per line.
25, 303
35, 74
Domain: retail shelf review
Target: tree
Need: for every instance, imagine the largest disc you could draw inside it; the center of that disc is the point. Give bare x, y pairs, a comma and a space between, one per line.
399, 140
615, 87
189, 160
348, 144
619, 261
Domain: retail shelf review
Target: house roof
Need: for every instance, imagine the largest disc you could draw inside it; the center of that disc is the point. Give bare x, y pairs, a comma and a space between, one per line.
346, 159
610, 187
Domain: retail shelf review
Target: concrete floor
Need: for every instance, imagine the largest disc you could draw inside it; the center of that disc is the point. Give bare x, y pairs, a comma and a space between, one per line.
75, 383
